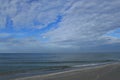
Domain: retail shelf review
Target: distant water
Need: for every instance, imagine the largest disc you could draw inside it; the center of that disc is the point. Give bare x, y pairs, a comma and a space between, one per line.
19, 63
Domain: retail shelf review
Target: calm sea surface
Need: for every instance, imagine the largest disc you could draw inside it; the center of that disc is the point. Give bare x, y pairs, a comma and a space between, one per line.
20, 63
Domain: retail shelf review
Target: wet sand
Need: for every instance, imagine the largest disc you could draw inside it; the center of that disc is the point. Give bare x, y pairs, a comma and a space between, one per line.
104, 72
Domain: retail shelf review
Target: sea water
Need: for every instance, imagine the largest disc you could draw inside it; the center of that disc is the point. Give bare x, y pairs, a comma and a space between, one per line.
14, 65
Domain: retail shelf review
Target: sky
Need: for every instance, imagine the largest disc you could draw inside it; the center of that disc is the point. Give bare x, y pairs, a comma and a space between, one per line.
59, 26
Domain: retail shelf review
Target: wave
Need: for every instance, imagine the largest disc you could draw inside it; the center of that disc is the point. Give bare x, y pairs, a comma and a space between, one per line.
88, 65
54, 62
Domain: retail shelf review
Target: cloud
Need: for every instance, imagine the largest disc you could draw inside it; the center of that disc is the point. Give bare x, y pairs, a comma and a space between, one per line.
83, 24
25, 13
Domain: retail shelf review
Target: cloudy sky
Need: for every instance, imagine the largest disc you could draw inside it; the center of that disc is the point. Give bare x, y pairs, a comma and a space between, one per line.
47, 26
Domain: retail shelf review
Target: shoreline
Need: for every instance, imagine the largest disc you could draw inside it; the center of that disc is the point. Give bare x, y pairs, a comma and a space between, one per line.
22, 74
78, 73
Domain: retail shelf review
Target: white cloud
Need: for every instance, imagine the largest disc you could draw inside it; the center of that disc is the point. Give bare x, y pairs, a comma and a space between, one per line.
23, 13
84, 22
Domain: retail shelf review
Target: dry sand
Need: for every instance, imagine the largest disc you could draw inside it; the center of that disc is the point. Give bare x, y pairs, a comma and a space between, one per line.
105, 72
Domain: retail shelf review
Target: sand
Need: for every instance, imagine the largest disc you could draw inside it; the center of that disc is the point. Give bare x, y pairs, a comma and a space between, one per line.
105, 72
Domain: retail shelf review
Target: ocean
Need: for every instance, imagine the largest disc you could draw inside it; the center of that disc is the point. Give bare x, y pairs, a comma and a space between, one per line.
13, 65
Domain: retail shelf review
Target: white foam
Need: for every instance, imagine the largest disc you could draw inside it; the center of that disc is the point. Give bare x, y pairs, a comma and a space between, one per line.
86, 65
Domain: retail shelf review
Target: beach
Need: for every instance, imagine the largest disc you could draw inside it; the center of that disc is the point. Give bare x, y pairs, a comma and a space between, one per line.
104, 72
